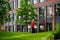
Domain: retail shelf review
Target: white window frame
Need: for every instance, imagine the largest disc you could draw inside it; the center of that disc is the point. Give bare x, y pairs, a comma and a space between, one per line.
18, 3
35, 1
41, 0
14, 4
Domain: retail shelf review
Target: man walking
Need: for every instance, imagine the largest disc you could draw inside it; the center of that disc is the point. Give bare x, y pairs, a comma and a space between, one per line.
32, 26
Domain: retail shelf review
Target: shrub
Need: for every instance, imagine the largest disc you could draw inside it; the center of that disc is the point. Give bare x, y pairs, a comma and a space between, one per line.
57, 31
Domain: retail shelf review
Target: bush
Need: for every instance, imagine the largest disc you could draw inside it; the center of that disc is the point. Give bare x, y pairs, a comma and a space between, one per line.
58, 27
57, 31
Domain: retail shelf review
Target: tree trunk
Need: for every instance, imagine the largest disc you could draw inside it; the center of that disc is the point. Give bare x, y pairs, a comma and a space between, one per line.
27, 28
26, 25
0, 28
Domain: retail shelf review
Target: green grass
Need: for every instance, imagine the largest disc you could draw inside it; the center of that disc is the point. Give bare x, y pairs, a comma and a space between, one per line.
24, 36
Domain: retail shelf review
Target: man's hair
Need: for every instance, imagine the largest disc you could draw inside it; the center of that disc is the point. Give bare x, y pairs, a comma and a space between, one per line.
32, 17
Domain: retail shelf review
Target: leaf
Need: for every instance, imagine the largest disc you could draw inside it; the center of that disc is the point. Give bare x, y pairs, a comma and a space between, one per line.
4, 8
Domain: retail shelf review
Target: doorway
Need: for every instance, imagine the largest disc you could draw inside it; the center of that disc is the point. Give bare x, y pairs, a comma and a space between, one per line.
49, 27
18, 28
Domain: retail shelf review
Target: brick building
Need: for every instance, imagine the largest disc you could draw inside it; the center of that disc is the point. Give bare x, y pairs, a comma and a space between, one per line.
11, 24
48, 12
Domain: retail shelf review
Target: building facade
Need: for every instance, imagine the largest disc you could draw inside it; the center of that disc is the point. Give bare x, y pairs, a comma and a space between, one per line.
11, 24
48, 12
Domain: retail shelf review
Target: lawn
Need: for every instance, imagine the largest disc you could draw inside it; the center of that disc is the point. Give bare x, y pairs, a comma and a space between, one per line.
24, 35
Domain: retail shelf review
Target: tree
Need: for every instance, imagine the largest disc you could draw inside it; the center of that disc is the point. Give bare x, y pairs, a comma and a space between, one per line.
4, 8
27, 13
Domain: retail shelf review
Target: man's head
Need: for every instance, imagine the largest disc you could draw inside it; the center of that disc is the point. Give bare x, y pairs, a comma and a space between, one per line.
33, 19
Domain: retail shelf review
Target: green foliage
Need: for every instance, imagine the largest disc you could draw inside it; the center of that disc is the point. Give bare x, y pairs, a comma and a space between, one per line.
57, 31
57, 28
4, 8
26, 12
24, 36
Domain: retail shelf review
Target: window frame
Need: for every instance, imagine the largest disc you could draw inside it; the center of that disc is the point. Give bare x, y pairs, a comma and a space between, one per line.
49, 11
34, 1
41, 0
56, 12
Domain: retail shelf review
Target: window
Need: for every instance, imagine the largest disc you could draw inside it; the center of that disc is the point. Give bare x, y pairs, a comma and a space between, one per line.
41, 11
13, 16
49, 11
12, 5
57, 9
9, 19
41, 18
34, 1
41, 0
18, 3
41, 14
49, 14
